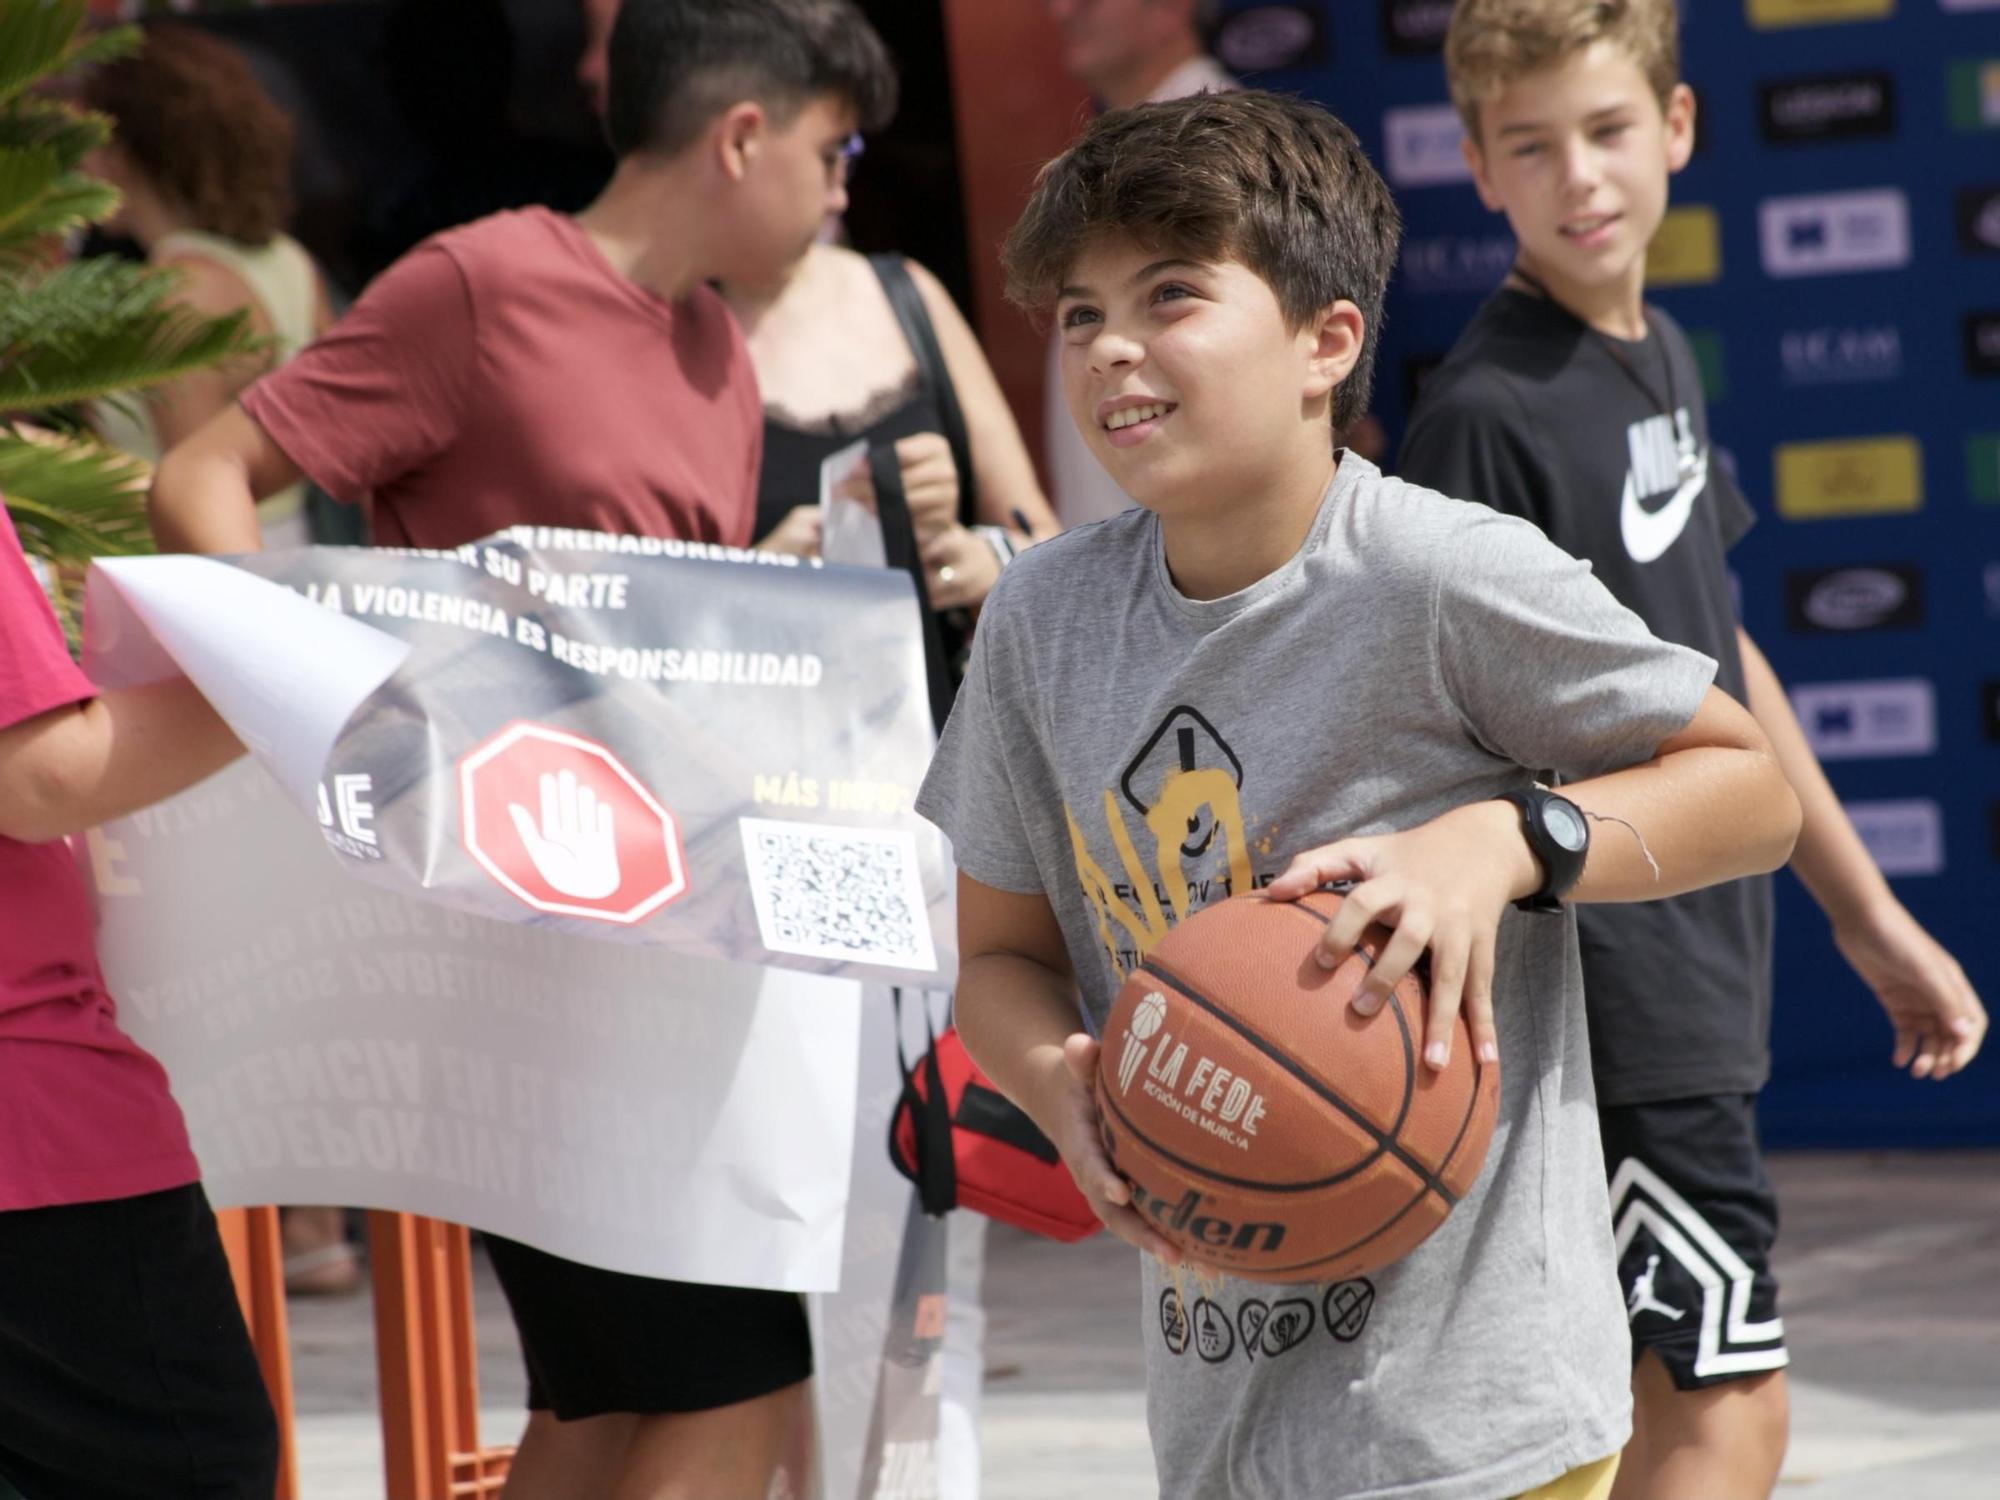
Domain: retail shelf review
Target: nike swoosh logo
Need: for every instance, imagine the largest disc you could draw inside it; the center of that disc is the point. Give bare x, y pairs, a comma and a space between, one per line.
1649, 533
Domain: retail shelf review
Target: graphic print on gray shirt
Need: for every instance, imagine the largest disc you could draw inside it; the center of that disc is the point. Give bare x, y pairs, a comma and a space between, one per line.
1135, 754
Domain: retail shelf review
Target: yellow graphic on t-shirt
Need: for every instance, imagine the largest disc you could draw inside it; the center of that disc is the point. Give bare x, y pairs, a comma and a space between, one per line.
1183, 797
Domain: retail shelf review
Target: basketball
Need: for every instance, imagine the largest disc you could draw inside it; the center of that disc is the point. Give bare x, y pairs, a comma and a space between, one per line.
1266, 1129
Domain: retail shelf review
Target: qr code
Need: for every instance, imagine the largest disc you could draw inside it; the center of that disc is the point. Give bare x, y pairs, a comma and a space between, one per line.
845, 893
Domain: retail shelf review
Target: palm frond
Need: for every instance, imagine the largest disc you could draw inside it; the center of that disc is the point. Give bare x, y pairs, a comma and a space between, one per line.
70, 202
150, 351
72, 499
70, 132
26, 175
39, 38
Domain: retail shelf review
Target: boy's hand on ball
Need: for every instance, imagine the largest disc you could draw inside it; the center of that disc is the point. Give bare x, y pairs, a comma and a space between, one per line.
1441, 888
1073, 1114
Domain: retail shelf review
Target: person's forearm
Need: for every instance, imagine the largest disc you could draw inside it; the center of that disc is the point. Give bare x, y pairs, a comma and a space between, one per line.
1014, 1015
127, 749
1703, 815
1830, 859
202, 501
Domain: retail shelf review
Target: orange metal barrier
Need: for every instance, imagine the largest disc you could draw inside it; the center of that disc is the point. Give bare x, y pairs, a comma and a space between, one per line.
425, 1357
257, 1262
428, 1365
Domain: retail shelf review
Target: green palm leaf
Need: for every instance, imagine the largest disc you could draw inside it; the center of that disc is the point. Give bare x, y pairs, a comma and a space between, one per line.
41, 37
68, 131
70, 203
74, 499
147, 352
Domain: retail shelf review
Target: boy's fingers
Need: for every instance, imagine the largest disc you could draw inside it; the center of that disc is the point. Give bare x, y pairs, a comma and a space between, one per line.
1315, 868
1450, 956
1132, 1229
1479, 999
1359, 910
1398, 956
1080, 1057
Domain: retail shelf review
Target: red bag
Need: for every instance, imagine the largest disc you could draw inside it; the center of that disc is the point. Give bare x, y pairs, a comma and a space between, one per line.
975, 1149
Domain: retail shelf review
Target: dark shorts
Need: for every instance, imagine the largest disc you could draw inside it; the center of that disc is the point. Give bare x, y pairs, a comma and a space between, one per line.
125, 1369
1695, 1216
601, 1341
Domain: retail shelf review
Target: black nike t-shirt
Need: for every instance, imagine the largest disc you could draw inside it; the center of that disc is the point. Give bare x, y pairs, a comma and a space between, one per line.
1535, 415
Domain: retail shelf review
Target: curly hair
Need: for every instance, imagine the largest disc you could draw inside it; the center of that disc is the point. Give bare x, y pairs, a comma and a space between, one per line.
193, 117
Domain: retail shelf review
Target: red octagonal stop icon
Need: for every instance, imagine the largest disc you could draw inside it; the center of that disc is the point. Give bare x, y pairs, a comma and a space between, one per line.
559, 821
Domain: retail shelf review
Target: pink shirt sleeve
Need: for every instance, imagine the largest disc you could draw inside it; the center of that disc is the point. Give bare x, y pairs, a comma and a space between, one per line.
36, 673
383, 391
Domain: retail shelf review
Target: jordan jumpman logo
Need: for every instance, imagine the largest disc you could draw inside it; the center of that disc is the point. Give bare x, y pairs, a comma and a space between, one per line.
1642, 1298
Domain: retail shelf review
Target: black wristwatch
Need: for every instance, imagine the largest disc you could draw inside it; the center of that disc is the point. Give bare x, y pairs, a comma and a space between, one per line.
1559, 838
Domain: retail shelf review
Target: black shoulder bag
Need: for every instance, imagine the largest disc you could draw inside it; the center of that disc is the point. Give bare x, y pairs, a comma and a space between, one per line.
899, 535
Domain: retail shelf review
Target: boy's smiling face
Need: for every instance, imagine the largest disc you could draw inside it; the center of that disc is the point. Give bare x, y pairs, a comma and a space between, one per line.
1184, 377
1577, 156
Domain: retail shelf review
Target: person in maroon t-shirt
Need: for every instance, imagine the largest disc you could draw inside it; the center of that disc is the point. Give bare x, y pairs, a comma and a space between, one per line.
579, 372
125, 1368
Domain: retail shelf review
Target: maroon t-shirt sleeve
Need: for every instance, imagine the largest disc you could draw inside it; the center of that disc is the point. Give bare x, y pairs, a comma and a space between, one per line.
383, 391
36, 673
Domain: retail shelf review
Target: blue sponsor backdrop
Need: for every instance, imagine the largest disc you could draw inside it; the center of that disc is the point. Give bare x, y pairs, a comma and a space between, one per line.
1850, 170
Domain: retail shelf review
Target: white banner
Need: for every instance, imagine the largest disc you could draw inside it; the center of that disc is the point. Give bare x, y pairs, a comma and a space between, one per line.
523, 754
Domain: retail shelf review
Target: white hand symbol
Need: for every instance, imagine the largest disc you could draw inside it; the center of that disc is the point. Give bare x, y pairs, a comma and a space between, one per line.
573, 849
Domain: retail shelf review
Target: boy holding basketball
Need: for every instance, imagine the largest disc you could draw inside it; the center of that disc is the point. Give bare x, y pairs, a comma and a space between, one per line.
1286, 669
1566, 393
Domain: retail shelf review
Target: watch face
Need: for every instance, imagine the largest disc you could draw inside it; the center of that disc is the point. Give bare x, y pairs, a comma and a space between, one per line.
1565, 825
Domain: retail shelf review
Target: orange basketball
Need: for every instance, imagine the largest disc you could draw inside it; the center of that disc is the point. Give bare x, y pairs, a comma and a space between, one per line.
1266, 1129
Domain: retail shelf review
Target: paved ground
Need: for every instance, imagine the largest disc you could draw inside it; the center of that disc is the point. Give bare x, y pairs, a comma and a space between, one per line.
1891, 1267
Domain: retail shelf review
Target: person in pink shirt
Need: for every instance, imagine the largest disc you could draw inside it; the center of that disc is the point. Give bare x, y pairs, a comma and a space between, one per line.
534, 368
125, 1370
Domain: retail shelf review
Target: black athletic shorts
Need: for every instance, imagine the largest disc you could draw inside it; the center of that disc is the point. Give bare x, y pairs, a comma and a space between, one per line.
1694, 1217
601, 1341
125, 1370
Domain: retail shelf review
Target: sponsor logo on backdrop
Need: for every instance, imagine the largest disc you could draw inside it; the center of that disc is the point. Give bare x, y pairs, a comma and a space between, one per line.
1768, 15
1272, 36
1448, 263
1982, 343
1865, 720
1970, 4
1826, 234
1841, 355
1972, 92
1415, 26
1979, 220
1686, 249
1989, 708
1903, 837
1982, 467
1889, 596
1863, 477
1422, 146
1827, 107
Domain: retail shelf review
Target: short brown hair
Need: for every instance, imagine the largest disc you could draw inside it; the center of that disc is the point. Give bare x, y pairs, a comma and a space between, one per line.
1492, 43
675, 64
193, 118
1275, 182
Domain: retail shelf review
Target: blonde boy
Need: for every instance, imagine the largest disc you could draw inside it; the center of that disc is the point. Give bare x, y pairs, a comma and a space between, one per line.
1571, 403
1285, 669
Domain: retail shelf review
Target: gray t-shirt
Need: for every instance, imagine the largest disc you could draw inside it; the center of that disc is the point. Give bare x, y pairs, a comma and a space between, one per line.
1132, 753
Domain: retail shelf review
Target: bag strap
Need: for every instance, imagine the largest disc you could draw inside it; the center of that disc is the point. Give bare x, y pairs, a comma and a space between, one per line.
899, 550
908, 304
930, 1119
